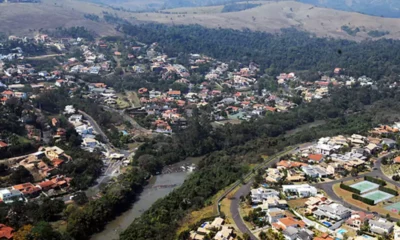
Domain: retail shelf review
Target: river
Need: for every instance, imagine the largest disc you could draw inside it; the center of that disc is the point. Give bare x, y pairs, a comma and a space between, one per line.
149, 196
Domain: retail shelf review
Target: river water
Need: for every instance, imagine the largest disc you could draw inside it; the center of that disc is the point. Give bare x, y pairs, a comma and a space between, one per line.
161, 187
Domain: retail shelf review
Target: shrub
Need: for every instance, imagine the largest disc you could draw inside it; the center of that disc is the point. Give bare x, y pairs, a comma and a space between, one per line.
350, 189
375, 180
363, 199
388, 190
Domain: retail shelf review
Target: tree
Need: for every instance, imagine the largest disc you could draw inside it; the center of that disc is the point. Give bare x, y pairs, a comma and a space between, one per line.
23, 232
44, 231
80, 198
246, 236
21, 175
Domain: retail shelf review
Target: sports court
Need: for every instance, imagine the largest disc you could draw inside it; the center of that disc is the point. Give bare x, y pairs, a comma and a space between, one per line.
394, 207
365, 186
377, 196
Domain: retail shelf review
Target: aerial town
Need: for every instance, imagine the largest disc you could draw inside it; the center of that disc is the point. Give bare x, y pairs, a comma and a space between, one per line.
67, 104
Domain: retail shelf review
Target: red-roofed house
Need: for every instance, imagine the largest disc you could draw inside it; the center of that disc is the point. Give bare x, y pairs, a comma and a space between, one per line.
315, 158
28, 189
286, 222
6, 232
8, 94
396, 159
3, 145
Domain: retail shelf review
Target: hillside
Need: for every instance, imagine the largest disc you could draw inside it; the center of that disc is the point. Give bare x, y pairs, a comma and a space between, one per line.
24, 18
384, 8
273, 16
264, 16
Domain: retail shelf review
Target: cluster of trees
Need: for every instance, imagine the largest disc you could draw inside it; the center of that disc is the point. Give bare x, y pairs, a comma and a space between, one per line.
290, 51
73, 32
256, 217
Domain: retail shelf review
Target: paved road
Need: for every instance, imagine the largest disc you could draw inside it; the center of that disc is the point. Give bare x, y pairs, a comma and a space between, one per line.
328, 187
245, 189
97, 128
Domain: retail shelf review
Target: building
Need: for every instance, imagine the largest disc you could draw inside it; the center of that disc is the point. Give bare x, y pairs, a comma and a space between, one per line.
381, 226
299, 191
273, 175
260, 194
357, 219
315, 158
7, 195
333, 211
224, 234
315, 171
53, 152
6, 232
27, 189
286, 222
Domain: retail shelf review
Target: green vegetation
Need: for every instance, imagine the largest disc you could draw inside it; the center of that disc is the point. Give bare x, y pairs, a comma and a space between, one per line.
388, 190
377, 33
350, 30
236, 7
362, 199
375, 180
300, 50
349, 188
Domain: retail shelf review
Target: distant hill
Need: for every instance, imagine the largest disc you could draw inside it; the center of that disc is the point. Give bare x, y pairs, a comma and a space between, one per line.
383, 8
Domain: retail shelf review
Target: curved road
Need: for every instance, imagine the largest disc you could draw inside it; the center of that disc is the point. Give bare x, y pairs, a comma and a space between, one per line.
326, 187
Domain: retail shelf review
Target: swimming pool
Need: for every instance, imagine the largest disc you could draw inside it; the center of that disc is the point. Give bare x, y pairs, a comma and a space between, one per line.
328, 224
342, 231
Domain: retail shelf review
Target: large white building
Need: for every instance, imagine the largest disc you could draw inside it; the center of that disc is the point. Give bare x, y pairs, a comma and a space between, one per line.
7, 195
260, 194
302, 191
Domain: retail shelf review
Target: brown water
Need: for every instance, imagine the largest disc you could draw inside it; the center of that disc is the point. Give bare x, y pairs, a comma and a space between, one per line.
149, 195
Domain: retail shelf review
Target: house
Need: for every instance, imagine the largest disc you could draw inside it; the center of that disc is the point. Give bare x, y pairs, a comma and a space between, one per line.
3, 145
324, 236
396, 159
27, 189
260, 194
333, 211
69, 109
7, 195
6, 232
289, 164
89, 143
224, 234
389, 142
217, 223
274, 214
302, 190
315, 171
174, 93
358, 218
371, 148
381, 226
295, 176
75, 118
286, 222
273, 175
315, 158
53, 152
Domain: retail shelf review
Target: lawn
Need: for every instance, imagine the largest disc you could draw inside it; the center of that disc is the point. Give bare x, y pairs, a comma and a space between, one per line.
297, 203
122, 102
390, 169
133, 98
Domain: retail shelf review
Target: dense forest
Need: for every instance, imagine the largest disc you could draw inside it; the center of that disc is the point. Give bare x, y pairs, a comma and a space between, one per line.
290, 51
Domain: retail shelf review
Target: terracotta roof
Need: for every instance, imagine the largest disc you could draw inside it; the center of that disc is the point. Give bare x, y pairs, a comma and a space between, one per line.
315, 157
290, 164
26, 188
3, 144
289, 221
6, 232
174, 92
396, 159
57, 162
7, 92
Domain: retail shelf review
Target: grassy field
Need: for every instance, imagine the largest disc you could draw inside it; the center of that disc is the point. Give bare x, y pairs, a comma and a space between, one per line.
133, 98
272, 16
390, 169
379, 208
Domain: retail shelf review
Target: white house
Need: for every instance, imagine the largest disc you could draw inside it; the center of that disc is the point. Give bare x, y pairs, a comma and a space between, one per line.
260, 194
302, 191
381, 226
10, 195
332, 211
69, 109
